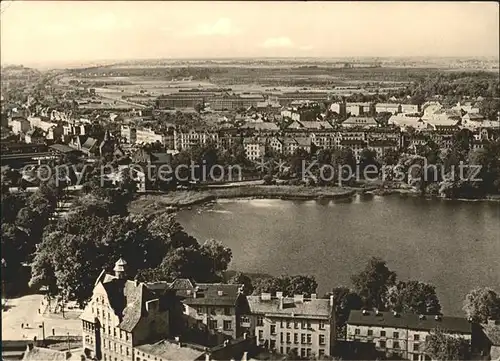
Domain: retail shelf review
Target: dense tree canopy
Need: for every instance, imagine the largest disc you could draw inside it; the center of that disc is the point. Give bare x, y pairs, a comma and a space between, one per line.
413, 296
289, 285
373, 282
482, 304
440, 346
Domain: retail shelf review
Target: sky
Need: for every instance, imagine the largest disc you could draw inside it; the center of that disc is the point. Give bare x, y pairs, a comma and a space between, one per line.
34, 32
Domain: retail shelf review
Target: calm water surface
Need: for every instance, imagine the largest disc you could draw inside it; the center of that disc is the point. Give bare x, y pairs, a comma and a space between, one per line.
454, 245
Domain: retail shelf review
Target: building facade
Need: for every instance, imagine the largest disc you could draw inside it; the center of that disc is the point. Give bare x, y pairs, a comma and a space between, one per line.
284, 323
403, 335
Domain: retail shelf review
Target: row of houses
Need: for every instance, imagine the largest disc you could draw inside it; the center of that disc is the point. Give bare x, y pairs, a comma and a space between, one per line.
130, 320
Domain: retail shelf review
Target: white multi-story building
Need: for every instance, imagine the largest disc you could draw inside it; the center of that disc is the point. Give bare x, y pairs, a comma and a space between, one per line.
185, 140
285, 323
402, 334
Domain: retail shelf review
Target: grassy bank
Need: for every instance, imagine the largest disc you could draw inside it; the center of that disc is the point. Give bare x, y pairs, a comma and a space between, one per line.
177, 199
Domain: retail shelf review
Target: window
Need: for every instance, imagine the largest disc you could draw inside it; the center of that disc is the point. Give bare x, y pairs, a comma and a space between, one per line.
302, 338
287, 349
321, 352
382, 333
295, 338
303, 352
321, 339
281, 350
309, 339
227, 325
288, 324
416, 347
281, 324
114, 332
212, 324
126, 336
288, 339
357, 331
128, 351
273, 329
416, 337
303, 324
260, 321
272, 345
321, 325
396, 344
227, 311
415, 357
282, 339
395, 335
212, 311
308, 353
296, 325
309, 325
370, 332
121, 350
382, 344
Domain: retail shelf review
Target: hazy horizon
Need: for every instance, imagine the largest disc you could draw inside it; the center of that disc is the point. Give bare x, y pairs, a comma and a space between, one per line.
58, 33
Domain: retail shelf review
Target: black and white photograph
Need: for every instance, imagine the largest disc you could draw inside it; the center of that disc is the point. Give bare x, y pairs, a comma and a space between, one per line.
250, 180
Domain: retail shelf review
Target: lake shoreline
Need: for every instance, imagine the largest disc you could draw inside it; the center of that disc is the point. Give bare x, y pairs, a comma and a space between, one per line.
179, 199
182, 199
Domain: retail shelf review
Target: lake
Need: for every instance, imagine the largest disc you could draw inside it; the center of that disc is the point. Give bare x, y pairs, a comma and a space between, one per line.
453, 245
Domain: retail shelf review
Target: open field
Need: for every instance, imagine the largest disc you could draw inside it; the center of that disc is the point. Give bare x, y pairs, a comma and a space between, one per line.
24, 310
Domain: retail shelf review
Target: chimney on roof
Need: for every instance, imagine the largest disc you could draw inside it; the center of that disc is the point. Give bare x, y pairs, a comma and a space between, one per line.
245, 335
437, 318
298, 298
207, 356
279, 294
29, 347
220, 293
281, 303
67, 355
331, 300
245, 356
226, 343
364, 312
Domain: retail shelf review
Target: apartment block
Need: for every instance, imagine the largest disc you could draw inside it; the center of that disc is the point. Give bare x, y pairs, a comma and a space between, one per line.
284, 323
402, 334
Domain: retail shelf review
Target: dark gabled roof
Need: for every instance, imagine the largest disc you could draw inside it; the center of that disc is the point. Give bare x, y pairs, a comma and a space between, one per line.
410, 320
352, 142
216, 294
127, 299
